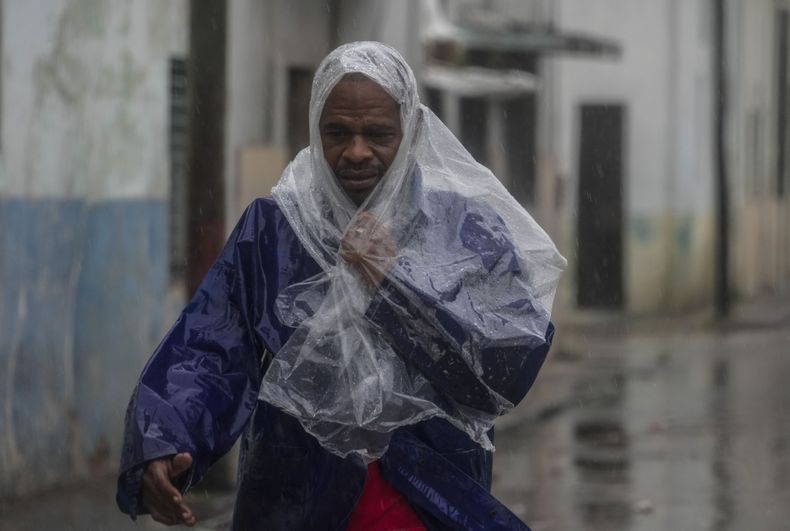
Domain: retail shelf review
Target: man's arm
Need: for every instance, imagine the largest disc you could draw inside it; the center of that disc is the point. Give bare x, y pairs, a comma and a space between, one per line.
476, 360
193, 398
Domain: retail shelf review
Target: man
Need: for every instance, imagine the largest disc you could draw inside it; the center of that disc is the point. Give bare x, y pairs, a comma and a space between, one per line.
362, 329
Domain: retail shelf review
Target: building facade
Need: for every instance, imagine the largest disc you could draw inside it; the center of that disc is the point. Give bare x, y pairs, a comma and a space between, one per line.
634, 150
83, 225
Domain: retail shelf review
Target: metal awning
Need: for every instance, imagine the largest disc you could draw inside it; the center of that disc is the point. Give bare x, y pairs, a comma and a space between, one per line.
491, 32
476, 81
542, 40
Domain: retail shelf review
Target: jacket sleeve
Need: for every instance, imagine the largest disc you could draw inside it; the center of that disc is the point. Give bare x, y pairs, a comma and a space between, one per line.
478, 337
198, 389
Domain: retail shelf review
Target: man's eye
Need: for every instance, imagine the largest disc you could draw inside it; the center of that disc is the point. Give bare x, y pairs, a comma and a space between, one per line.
382, 137
336, 136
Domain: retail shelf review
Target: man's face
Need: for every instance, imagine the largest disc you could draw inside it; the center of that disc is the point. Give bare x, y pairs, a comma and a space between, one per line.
360, 132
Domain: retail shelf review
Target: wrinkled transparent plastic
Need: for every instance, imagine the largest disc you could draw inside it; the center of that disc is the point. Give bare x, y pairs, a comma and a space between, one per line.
472, 272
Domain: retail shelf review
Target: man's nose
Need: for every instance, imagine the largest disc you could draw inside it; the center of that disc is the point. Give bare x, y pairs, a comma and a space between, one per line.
358, 149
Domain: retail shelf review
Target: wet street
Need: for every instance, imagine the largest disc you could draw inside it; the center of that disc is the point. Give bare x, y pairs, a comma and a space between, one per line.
631, 428
665, 429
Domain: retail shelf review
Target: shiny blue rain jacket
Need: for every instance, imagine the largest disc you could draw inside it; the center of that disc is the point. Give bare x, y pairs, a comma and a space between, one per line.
199, 392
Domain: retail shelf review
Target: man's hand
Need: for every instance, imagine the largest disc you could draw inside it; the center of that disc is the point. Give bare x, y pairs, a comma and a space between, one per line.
160, 497
369, 248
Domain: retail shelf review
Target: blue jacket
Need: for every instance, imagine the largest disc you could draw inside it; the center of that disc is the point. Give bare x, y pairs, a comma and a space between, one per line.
199, 392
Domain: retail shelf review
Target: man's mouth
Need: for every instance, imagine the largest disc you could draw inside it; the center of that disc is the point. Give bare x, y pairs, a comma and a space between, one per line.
358, 179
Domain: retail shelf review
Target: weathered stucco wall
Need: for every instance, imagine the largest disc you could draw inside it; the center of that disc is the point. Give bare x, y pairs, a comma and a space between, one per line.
761, 217
83, 226
664, 77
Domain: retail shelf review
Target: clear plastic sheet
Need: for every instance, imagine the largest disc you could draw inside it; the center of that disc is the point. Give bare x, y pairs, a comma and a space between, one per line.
466, 253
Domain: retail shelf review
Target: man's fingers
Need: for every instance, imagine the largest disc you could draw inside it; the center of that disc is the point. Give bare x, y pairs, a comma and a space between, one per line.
184, 512
181, 463
157, 489
352, 257
160, 497
368, 247
189, 520
375, 246
160, 513
364, 219
169, 512
168, 495
162, 518
159, 509
185, 515
346, 247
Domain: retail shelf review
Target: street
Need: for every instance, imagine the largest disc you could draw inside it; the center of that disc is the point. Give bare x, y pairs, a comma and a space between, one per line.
665, 429
655, 427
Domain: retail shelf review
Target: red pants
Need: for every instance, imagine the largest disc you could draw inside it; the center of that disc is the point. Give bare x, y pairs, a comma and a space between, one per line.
382, 508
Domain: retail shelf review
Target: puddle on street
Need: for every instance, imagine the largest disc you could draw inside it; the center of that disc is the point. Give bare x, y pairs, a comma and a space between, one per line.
686, 433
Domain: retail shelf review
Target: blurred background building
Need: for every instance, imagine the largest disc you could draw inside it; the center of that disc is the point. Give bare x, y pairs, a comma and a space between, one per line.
134, 132
84, 202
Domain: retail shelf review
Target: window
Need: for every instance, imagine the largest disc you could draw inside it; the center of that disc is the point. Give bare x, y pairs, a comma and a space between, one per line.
179, 152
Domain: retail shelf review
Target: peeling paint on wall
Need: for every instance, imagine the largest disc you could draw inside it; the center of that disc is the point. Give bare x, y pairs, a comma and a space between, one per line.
90, 96
669, 261
83, 226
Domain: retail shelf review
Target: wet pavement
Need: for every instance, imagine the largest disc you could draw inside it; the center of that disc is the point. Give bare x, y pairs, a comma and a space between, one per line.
664, 429
669, 425
90, 506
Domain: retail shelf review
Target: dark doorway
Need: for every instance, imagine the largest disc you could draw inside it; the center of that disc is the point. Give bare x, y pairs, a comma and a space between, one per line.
519, 121
300, 81
433, 99
600, 228
179, 156
474, 127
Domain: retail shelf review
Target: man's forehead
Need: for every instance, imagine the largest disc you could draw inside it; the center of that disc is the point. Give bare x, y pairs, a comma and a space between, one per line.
358, 77
357, 81
359, 92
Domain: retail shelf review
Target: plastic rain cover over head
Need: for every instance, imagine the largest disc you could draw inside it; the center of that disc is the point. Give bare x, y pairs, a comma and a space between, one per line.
337, 374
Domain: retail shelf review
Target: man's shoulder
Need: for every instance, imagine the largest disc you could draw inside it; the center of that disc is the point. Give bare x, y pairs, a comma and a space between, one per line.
260, 213
264, 205
262, 208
